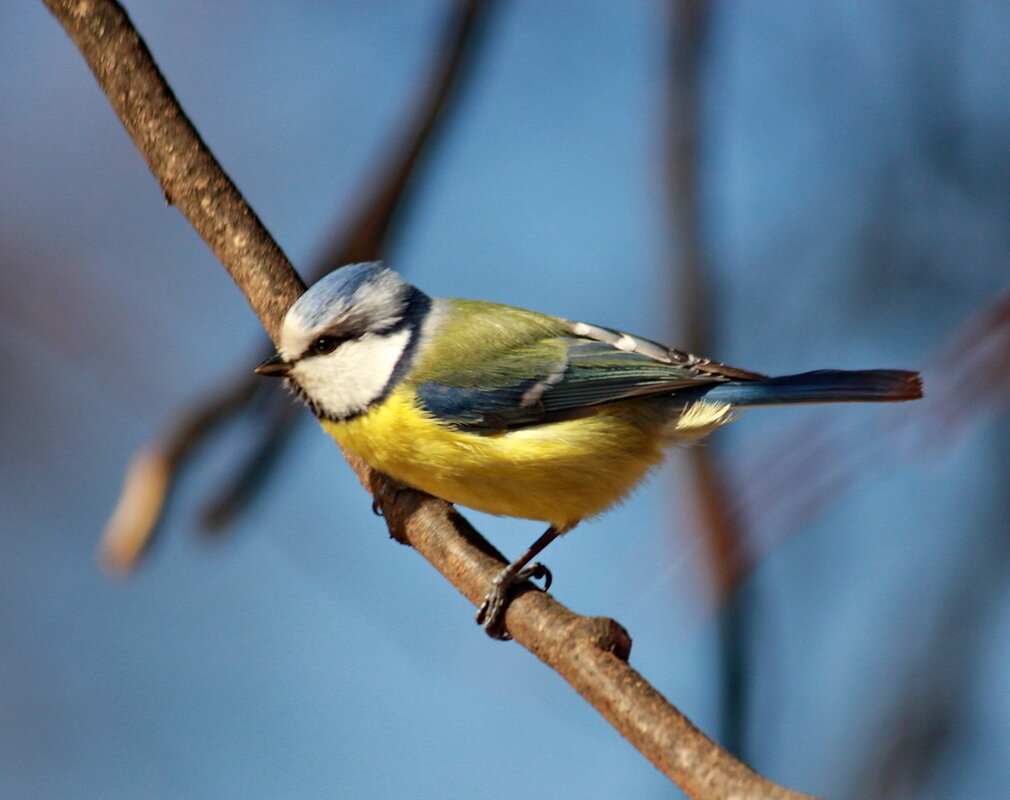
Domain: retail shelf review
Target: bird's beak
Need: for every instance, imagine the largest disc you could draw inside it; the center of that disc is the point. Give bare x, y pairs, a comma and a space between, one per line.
274, 367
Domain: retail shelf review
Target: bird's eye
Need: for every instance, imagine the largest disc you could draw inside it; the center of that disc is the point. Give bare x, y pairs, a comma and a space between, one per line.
325, 344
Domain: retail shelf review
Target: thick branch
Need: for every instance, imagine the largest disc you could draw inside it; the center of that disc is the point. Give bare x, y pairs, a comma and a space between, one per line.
589, 653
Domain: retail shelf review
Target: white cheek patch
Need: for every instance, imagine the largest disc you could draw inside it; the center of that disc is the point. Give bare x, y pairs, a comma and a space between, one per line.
347, 380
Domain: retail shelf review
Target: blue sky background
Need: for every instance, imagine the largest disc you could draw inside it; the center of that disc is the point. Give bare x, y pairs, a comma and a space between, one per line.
856, 200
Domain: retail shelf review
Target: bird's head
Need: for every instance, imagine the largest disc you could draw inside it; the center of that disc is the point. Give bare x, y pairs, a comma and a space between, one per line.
346, 342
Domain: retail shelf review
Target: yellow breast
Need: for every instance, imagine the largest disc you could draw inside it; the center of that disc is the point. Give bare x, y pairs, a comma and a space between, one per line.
562, 472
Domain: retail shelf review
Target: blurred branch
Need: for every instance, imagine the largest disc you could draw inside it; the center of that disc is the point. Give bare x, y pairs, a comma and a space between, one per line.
277, 417
368, 235
726, 544
590, 653
151, 477
689, 33
130, 533
689, 19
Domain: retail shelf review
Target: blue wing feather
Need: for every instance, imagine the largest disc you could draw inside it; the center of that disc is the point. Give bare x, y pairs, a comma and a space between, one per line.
591, 373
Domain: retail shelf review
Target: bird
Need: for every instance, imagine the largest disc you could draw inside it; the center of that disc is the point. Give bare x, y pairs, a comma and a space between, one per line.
513, 412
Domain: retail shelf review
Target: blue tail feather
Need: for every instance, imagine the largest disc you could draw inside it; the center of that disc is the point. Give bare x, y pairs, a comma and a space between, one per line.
822, 386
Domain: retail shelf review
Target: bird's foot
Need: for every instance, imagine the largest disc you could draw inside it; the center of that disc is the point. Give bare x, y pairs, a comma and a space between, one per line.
385, 497
491, 614
385, 494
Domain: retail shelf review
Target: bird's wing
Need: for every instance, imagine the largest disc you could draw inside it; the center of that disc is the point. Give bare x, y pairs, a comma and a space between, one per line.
544, 377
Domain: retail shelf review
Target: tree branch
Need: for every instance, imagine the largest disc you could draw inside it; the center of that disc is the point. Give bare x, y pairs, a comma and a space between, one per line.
589, 653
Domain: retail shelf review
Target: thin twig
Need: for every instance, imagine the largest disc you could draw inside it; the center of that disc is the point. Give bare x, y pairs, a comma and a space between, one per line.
589, 653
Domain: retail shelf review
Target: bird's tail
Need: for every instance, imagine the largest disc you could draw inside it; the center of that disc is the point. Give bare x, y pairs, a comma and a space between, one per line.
822, 386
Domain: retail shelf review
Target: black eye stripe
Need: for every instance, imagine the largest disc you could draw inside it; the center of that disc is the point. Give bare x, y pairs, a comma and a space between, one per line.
324, 345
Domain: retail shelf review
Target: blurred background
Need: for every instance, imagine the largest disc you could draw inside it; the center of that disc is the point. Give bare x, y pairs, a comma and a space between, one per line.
791, 185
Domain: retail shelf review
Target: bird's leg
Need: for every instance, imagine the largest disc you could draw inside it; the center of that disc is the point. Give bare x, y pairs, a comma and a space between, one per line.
491, 613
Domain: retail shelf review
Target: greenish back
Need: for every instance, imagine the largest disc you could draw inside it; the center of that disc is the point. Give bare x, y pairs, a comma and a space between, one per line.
488, 344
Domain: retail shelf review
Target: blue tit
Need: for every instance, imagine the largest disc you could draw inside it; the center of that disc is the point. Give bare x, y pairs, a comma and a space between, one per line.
513, 412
